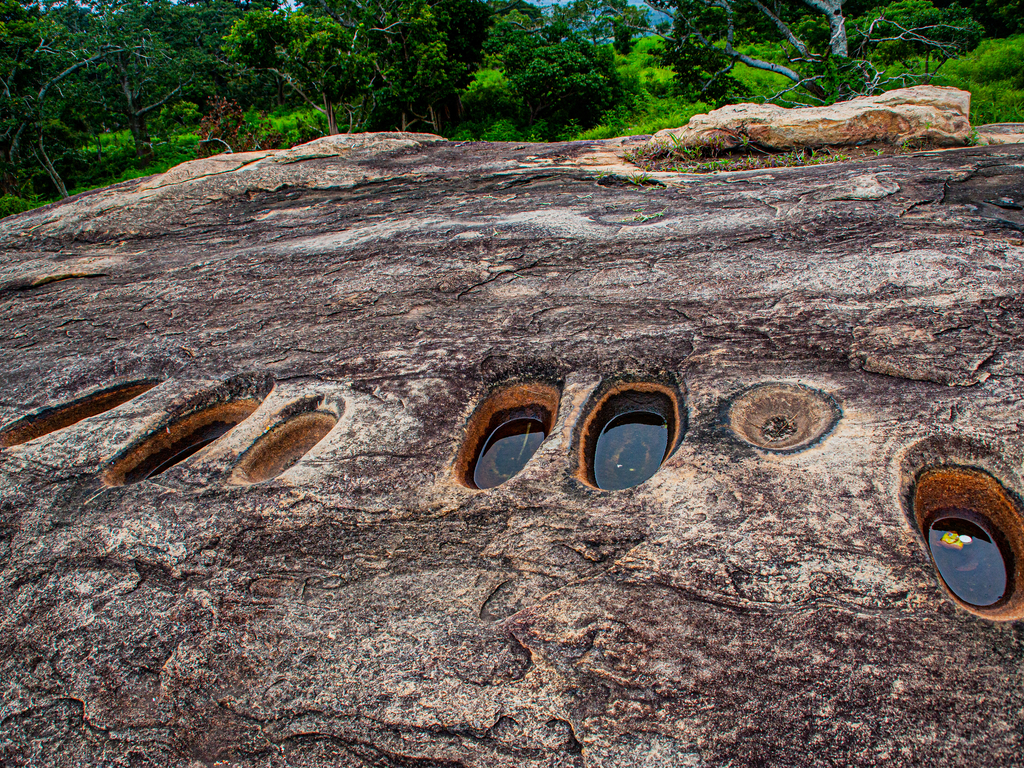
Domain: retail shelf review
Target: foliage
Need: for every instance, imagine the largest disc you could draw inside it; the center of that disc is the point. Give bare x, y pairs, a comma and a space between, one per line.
177, 118
321, 59
601, 21
708, 71
917, 35
820, 50
557, 74
422, 52
427, 56
1000, 18
10, 205
95, 91
994, 74
226, 127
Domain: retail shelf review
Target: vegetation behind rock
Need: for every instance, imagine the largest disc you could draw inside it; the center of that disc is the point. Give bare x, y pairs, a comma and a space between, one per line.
95, 93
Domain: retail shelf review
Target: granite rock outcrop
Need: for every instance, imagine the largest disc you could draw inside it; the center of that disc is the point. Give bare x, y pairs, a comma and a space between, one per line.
320, 585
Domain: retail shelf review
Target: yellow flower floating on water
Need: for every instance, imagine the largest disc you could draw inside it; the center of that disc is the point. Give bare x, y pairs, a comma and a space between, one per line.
951, 539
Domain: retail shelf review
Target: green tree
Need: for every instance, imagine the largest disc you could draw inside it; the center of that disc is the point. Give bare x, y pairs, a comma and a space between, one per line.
43, 63
916, 34
20, 36
424, 52
558, 75
601, 21
144, 72
417, 68
819, 49
1000, 18
324, 62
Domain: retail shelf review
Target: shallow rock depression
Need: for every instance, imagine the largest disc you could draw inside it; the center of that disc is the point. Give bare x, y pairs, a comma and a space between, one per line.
298, 463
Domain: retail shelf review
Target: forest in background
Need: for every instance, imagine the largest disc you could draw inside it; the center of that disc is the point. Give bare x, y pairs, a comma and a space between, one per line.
98, 92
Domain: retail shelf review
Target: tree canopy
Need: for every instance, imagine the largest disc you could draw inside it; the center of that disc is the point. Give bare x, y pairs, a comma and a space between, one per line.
820, 50
94, 90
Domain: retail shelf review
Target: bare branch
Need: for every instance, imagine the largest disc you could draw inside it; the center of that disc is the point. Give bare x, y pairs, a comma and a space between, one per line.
104, 52
219, 141
165, 99
780, 25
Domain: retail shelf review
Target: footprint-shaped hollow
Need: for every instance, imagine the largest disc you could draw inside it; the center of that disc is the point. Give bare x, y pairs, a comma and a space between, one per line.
783, 418
975, 536
52, 419
177, 440
504, 432
631, 429
281, 447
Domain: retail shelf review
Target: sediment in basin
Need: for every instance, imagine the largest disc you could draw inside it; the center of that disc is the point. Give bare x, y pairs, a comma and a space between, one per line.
782, 418
283, 446
50, 420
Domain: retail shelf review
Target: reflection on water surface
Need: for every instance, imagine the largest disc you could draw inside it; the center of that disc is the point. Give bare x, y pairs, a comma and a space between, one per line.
630, 449
968, 560
507, 450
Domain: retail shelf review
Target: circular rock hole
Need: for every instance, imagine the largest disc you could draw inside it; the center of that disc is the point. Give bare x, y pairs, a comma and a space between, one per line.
176, 441
52, 419
629, 433
783, 418
281, 448
504, 433
975, 538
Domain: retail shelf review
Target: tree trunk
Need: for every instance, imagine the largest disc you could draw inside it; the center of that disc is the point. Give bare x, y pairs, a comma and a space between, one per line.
134, 116
837, 26
143, 145
51, 171
332, 120
9, 184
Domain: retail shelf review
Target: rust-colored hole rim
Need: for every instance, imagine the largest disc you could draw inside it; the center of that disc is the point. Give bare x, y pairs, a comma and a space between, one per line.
535, 399
782, 417
58, 417
971, 492
283, 446
665, 401
152, 451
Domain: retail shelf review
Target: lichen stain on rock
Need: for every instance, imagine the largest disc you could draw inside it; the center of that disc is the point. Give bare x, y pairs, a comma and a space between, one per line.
741, 607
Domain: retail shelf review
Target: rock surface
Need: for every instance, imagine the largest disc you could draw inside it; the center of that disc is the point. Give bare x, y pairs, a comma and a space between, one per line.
766, 599
926, 113
1001, 133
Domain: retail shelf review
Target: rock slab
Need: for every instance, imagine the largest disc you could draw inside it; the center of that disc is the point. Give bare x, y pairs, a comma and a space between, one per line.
927, 114
765, 599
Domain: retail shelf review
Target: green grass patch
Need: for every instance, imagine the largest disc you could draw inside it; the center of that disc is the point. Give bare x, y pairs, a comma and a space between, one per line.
650, 116
994, 74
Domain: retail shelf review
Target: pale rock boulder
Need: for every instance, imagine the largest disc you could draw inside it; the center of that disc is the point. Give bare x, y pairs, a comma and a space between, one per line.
1001, 133
925, 113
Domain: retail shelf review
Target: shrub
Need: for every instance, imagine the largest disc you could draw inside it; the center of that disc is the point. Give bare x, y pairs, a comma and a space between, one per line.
227, 128
10, 205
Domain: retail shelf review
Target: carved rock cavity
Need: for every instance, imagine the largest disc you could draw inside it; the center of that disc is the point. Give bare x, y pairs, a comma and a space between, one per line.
783, 418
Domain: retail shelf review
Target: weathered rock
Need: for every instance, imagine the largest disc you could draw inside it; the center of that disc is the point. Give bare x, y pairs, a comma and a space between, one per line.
822, 335
1001, 133
926, 113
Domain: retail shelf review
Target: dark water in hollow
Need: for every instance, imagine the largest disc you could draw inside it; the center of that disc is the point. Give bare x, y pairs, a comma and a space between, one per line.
178, 452
629, 449
968, 560
506, 451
